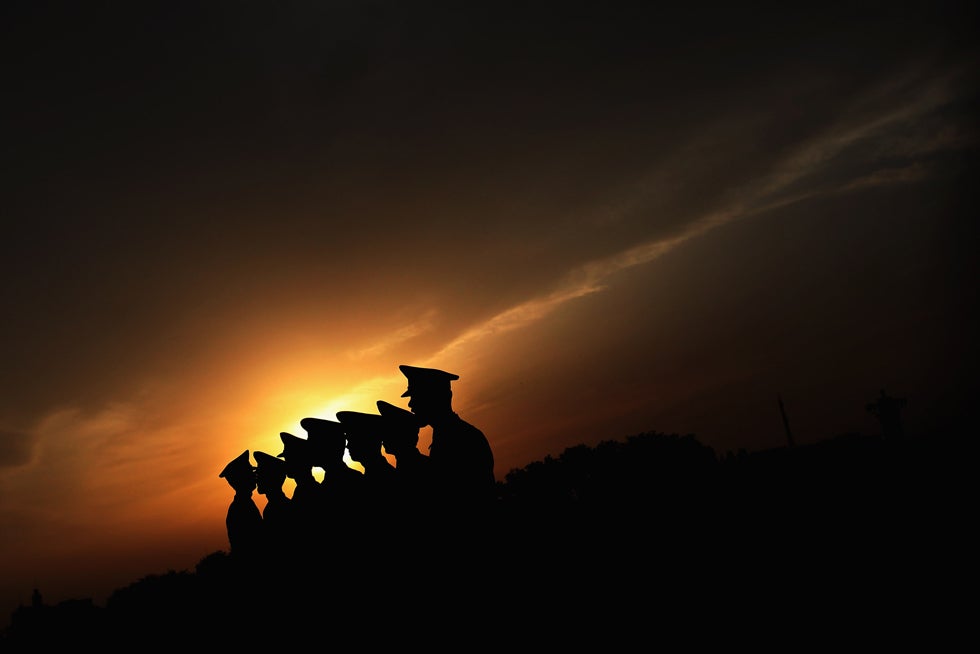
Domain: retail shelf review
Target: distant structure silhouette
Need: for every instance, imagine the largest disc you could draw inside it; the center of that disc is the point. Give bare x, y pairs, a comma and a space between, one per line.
887, 410
782, 412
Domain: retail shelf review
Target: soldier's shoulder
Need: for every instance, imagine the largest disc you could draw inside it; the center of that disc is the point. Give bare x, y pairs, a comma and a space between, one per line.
464, 424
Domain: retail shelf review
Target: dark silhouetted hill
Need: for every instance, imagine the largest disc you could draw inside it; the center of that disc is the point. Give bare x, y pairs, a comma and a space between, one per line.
595, 535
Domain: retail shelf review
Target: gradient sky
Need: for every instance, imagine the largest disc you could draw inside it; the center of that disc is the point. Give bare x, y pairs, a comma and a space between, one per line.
223, 217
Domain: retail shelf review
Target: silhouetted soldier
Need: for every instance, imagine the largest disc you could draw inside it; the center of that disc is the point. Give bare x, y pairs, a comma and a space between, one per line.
463, 525
392, 516
887, 409
298, 455
244, 520
341, 483
459, 451
277, 516
364, 446
279, 522
414, 470
228, 583
414, 503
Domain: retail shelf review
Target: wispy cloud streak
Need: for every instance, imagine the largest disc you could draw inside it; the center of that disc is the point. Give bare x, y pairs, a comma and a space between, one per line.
777, 189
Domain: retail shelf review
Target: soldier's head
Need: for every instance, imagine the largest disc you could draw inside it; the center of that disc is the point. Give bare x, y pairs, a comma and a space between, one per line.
429, 392
399, 429
363, 435
240, 474
270, 473
296, 454
327, 441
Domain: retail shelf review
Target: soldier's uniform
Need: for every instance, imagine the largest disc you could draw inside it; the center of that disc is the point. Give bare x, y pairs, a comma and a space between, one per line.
414, 470
460, 452
278, 512
297, 453
243, 520
341, 483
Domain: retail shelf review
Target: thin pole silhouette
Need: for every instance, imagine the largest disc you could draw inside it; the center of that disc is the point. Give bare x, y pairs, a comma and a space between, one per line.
782, 411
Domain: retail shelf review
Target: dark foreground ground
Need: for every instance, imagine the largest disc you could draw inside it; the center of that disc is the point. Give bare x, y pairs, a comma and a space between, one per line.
654, 541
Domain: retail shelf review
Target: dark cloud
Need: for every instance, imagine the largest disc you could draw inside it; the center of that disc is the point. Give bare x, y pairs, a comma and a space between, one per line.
166, 158
16, 448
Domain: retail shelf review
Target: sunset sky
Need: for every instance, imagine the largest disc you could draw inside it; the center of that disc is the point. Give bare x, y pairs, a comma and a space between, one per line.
222, 217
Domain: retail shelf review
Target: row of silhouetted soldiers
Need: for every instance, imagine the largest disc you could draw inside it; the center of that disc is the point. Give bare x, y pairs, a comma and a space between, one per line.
405, 551
450, 490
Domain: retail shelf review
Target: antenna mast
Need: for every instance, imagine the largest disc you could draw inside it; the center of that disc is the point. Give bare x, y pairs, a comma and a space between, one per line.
782, 411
